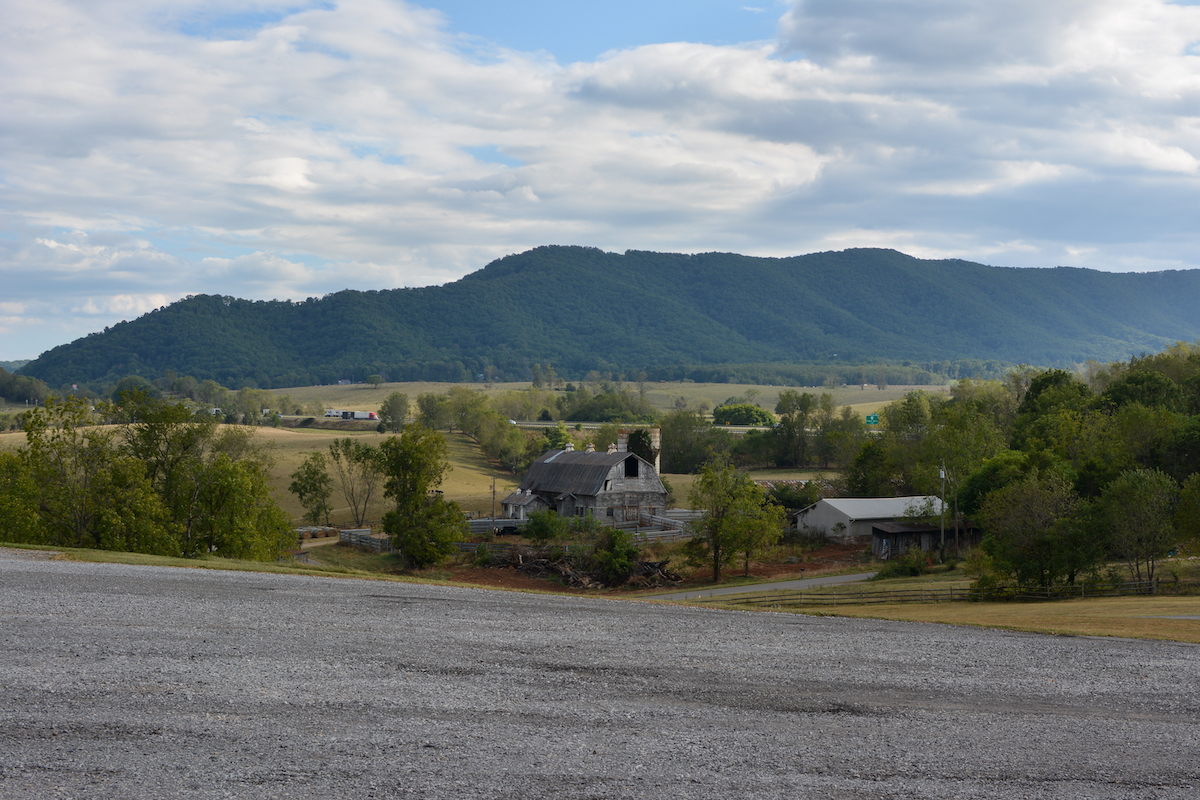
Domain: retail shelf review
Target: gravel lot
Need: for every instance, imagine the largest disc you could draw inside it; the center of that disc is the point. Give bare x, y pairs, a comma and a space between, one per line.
142, 682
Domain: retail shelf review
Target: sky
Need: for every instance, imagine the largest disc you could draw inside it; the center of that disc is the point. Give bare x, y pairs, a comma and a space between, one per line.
154, 149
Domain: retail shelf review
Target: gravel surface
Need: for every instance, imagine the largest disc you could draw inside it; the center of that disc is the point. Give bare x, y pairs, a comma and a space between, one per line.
145, 682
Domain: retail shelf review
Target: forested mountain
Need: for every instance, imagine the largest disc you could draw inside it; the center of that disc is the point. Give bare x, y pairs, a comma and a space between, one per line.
582, 309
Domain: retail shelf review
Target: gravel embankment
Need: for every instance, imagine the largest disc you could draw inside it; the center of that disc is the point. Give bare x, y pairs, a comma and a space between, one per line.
139, 682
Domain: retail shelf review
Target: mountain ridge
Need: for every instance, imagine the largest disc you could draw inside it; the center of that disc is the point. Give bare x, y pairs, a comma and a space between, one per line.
582, 309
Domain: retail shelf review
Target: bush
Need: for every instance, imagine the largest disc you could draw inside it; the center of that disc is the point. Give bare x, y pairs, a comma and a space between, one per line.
545, 526
615, 556
909, 565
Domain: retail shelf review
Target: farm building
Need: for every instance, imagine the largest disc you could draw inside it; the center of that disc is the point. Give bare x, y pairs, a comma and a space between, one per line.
612, 486
893, 539
850, 519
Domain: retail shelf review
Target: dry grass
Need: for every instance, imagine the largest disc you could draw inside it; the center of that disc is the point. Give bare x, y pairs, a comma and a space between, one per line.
469, 482
1130, 617
662, 396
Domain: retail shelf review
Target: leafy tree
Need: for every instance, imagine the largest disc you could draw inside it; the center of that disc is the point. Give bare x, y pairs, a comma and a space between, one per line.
356, 465
1033, 531
794, 409
423, 525
1139, 507
738, 518
20, 520
838, 435
871, 473
641, 444
742, 414
467, 407
374, 381
133, 384
557, 437
688, 441
545, 525
313, 487
90, 494
433, 411
238, 516
393, 412
1187, 511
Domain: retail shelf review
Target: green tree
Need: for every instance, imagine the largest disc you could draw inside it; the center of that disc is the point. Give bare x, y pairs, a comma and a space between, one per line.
394, 412
357, 468
738, 518
641, 444
19, 517
1034, 531
1187, 511
313, 487
90, 494
433, 411
545, 526
374, 381
794, 409
1139, 508
742, 414
422, 524
688, 441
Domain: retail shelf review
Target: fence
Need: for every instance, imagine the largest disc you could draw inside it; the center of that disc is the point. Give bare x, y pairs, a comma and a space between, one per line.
950, 595
361, 537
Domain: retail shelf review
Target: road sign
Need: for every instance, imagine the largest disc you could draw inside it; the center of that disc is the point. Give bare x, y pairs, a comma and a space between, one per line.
872, 419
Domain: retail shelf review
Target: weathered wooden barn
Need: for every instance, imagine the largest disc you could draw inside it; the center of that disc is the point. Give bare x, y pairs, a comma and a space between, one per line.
612, 486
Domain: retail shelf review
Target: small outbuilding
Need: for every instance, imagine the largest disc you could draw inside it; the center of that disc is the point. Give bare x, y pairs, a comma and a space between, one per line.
851, 519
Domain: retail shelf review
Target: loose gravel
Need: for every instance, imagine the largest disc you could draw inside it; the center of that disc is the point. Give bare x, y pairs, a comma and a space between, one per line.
145, 682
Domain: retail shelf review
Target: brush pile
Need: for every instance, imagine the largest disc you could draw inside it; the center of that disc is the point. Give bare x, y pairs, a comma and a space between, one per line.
559, 563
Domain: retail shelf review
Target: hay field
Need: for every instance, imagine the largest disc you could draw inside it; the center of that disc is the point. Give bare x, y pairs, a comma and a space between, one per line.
661, 395
469, 482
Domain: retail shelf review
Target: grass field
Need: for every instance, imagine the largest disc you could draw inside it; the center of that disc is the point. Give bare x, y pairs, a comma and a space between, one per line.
662, 396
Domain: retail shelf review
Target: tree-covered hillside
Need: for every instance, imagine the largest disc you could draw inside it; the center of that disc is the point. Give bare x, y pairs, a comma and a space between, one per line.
583, 309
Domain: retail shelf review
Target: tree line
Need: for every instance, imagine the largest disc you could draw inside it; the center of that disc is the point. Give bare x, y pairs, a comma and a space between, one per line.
147, 476
1064, 473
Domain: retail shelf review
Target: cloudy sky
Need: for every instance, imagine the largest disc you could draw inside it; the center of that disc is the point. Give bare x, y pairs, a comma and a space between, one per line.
151, 149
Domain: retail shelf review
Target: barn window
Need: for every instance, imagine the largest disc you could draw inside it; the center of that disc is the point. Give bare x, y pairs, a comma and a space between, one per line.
610, 511
631, 467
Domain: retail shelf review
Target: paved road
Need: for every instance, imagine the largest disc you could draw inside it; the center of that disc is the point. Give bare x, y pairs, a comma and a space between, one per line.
777, 586
142, 682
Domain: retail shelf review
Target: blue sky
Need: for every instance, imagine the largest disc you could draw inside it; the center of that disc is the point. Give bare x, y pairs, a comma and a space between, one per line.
583, 31
152, 149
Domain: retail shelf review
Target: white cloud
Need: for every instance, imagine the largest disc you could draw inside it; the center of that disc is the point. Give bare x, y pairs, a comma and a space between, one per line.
333, 148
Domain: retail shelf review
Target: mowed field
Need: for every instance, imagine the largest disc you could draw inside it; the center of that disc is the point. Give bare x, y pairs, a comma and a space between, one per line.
661, 395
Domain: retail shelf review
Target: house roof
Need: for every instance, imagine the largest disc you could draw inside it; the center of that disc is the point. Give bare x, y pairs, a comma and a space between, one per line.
560, 472
867, 508
519, 498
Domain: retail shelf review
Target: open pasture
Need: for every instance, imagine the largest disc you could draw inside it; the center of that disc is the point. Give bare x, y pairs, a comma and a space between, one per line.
662, 395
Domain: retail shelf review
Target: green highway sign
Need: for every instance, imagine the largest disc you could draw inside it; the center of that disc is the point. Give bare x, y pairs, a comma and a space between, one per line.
872, 419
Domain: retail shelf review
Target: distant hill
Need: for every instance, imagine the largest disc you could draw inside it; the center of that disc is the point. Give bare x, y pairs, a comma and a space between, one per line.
582, 309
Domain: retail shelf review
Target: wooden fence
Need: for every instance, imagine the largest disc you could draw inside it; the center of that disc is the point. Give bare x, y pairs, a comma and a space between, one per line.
950, 595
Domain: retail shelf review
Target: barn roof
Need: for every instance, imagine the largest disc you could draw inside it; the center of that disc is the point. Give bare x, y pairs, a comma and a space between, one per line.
865, 508
571, 471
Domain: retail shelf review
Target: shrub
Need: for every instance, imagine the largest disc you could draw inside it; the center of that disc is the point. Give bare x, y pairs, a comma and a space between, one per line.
545, 526
909, 565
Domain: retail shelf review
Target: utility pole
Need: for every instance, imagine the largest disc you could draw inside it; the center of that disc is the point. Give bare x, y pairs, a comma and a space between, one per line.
942, 509
493, 502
